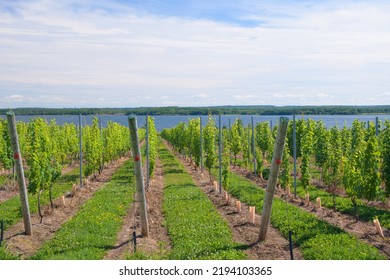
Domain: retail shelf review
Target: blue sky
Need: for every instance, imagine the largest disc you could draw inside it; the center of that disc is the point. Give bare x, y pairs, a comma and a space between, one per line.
193, 53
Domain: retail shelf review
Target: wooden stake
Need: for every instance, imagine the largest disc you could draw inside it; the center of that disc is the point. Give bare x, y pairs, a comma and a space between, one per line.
238, 206
63, 200
378, 228
288, 190
139, 175
227, 197
252, 211
273, 176
74, 189
307, 199
318, 202
215, 185
11, 122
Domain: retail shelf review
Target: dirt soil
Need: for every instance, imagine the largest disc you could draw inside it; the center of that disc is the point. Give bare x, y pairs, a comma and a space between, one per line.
276, 247
25, 246
7, 192
10, 190
365, 231
158, 241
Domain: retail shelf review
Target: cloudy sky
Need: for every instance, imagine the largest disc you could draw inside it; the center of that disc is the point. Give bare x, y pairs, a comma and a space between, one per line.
131, 53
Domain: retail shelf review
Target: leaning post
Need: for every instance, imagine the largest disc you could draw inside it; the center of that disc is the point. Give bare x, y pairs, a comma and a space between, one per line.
220, 153
81, 151
273, 176
20, 172
138, 174
253, 148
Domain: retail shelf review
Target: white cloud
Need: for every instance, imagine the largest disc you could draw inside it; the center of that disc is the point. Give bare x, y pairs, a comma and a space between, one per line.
201, 95
331, 51
15, 97
245, 96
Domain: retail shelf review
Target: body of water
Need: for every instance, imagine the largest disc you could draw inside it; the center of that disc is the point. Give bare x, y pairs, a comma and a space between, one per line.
171, 121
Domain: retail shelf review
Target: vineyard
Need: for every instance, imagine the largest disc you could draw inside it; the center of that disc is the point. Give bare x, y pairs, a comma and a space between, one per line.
199, 192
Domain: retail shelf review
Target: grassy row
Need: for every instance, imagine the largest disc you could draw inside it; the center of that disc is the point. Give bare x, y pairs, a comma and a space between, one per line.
196, 229
93, 230
11, 213
317, 239
345, 205
10, 210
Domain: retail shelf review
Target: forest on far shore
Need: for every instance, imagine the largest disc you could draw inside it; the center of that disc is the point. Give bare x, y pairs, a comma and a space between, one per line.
214, 110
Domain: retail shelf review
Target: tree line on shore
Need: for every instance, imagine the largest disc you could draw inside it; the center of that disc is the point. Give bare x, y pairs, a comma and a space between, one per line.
214, 110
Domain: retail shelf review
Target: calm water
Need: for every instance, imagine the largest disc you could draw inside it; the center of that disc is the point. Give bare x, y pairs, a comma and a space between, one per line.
171, 121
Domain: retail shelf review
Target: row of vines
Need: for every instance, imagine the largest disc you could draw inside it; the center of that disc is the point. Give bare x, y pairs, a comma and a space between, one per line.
355, 160
47, 147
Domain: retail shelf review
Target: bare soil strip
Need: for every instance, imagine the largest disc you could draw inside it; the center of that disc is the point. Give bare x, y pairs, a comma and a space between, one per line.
276, 247
158, 242
9, 191
25, 246
365, 231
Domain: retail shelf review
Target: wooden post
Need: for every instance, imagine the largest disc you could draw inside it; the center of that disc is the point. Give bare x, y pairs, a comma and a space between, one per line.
252, 211
220, 154
273, 176
253, 148
227, 197
230, 140
307, 199
81, 151
376, 126
74, 190
201, 144
63, 200
318, 202
138, 175
215, 185
147, 151
295, 155
378, 228
20, 172
238, 206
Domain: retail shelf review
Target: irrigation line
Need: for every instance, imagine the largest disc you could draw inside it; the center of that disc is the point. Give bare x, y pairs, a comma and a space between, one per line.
2, 232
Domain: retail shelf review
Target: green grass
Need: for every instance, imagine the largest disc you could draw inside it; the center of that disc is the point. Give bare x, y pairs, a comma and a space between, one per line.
317, 239
10, 210
345, 205
3, 179
93, 230
196, 229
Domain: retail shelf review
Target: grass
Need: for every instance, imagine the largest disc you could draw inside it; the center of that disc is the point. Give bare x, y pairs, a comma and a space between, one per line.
345, 205
10, 210
93, 230
317, 239
3, 179
196, 229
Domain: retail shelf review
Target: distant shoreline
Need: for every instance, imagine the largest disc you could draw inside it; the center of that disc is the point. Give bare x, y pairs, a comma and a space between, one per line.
214, 110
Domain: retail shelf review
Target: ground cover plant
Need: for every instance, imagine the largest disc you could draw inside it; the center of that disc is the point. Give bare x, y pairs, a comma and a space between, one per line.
345, 205
10, 209
194, 226
93, 230
317, 239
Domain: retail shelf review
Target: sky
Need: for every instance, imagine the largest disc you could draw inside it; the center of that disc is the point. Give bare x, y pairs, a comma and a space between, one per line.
136, 53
